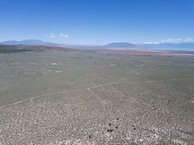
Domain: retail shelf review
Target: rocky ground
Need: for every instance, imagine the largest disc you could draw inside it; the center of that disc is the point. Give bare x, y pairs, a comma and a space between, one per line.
89, 98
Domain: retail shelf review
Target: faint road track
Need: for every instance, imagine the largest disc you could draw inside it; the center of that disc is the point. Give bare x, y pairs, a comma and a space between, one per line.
89, 89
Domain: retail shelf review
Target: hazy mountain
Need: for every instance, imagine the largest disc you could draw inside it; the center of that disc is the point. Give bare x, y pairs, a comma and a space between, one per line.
10, 42
33, 42
120, 45
27, 42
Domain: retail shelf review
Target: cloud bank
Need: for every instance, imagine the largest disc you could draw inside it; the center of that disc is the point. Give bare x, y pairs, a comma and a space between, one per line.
170, 40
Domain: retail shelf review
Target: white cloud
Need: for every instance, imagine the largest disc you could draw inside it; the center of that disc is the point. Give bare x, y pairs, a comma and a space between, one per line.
52, 35
151, 42
62, 35
189, 40
170, 40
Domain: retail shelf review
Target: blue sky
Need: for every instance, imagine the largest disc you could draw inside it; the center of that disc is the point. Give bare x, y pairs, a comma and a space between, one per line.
97, 21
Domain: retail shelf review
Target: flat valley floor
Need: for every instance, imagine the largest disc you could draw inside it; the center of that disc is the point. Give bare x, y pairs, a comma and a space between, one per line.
92, 98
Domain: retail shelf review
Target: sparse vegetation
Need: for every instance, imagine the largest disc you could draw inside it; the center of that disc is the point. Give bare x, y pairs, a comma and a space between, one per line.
80, 96
25, 48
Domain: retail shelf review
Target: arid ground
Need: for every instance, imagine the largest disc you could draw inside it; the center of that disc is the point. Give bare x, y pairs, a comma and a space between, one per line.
96, 98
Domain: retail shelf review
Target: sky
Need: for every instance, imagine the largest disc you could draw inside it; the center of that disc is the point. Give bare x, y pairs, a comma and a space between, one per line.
94, 22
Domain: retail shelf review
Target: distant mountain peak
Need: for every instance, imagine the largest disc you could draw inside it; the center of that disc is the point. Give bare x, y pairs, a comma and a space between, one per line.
26, 42
120, 45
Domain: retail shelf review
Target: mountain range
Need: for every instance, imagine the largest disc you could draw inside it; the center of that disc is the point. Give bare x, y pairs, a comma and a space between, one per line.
115, 45
26, 42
